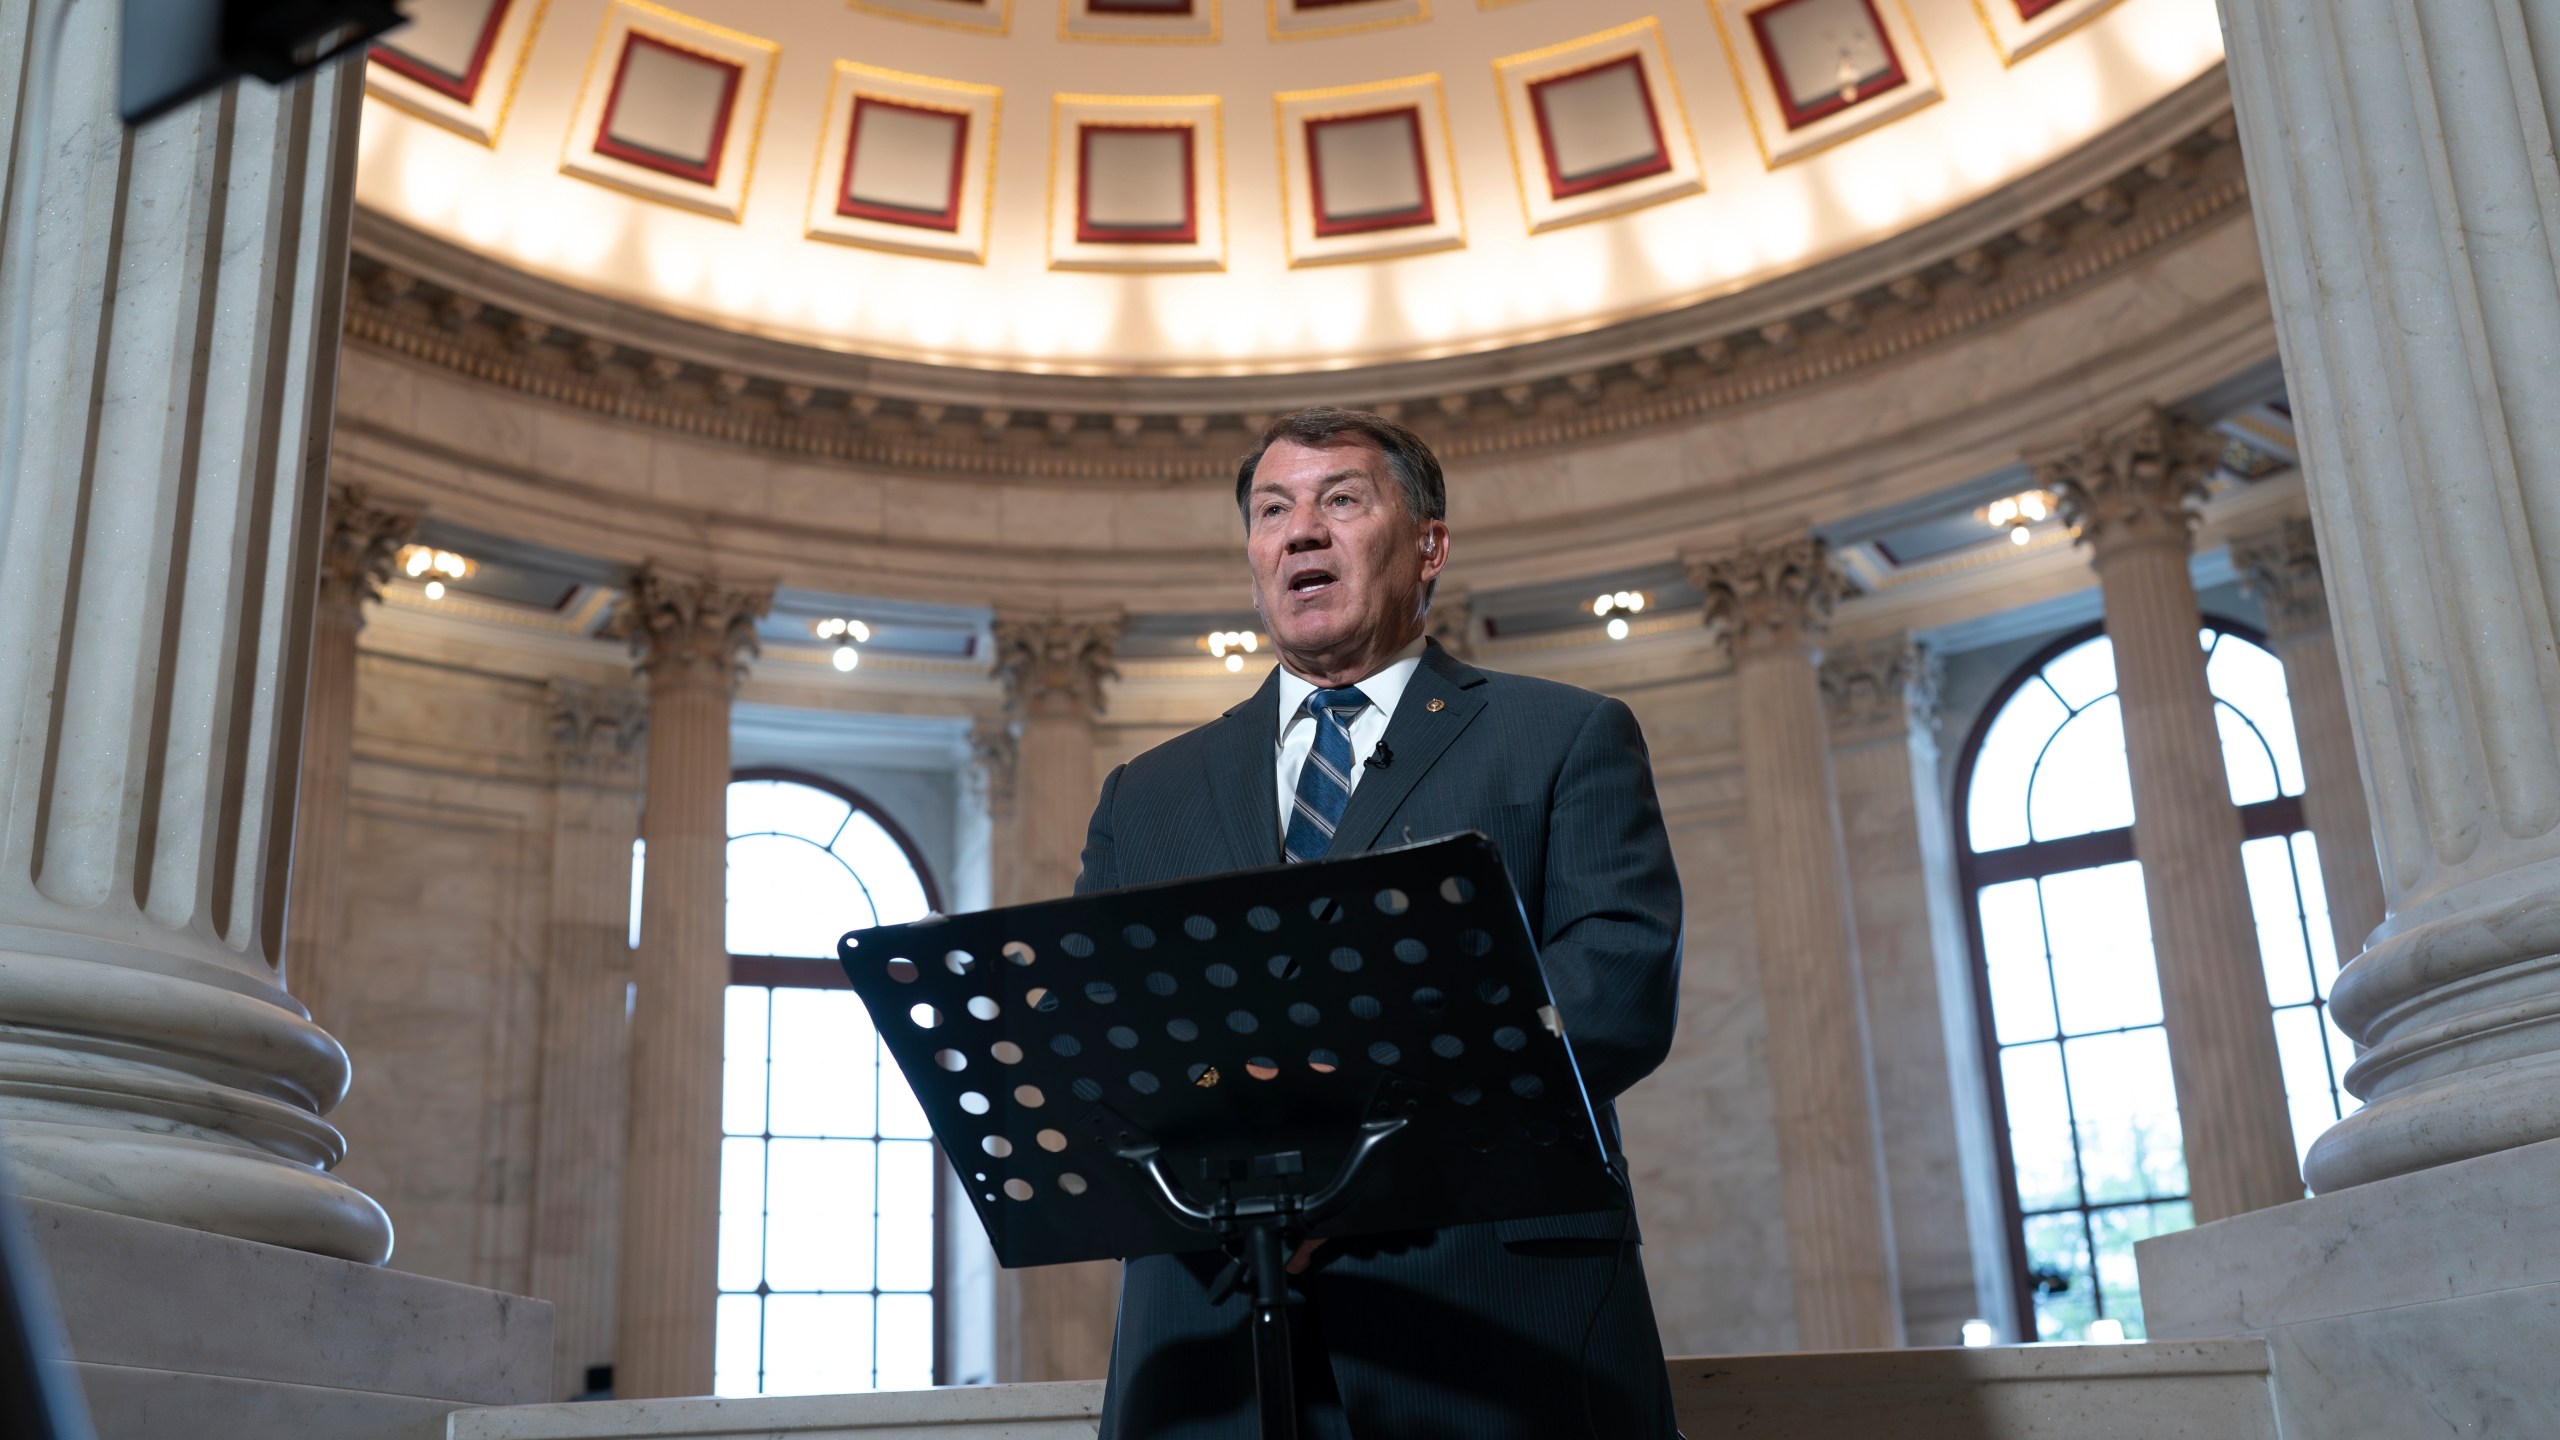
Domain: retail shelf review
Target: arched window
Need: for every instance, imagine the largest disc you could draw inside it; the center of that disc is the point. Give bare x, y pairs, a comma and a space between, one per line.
827, 1169
2069, 996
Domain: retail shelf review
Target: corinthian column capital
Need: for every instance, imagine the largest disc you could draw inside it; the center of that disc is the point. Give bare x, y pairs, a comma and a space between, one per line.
1879, 687
2281, 567
1768, 595
2134, 481
689, 629
361, 545
597, 730
1055, 664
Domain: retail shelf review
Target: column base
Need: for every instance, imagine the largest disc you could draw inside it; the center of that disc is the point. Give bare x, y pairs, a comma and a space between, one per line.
176, 1334
2424, 1304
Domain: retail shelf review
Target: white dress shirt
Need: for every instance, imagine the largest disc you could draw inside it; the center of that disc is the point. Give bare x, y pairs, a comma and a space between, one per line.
1298, 728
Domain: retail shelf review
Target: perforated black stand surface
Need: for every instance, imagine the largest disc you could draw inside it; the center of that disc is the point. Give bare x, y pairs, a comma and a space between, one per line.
1239, 1061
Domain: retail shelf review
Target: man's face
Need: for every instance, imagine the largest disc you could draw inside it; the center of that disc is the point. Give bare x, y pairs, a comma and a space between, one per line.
1339, 563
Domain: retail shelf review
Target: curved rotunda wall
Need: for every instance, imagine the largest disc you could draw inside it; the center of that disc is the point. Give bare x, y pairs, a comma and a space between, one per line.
754, 232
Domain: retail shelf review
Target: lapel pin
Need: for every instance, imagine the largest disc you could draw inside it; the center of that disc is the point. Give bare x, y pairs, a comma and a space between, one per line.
1436, 706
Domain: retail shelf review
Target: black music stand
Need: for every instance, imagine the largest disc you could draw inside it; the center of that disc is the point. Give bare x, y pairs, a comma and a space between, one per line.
1239, 1061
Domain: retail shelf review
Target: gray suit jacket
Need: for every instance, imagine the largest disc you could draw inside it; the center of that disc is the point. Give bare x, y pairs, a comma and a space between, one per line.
1559, 778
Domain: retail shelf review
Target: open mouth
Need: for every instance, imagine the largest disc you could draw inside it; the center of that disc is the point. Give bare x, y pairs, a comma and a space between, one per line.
1310, 582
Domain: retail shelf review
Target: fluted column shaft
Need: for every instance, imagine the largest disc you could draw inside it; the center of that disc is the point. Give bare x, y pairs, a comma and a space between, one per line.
160, 497
2281, 567
2401, 172
2127, 490
693, 635
1053, 1322
586, 1074
1771, 605
360, 541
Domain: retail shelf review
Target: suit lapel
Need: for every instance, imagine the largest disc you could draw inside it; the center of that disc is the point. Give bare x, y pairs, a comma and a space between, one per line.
1416, 738
1241, 763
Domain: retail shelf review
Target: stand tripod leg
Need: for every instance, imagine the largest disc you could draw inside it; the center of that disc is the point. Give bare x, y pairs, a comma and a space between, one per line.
1274, 1377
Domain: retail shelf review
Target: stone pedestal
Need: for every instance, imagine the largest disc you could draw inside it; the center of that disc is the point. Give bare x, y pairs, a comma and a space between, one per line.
1771, 605
181, 1335
1055, 1322
2281, 567
159, 558
360, 540
2128, 490
693, 634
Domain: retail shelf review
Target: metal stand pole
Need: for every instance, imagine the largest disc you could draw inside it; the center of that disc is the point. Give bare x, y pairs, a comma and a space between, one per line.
1274, 1378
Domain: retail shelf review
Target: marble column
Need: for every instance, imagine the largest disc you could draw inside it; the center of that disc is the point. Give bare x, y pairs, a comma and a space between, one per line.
1770, 606
161, 491
2400, 166
693, 634
2281, 567
360, 540
1053, 1323
1942, 1158
598, 734
994, 755
2128, 490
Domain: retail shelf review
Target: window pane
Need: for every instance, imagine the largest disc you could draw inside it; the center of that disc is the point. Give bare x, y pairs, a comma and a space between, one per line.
741, 1213
901, 1116
2081, 785
2246, 761
2315, 904
2127, 1106
742, 1057
906, 1342
896, 889
2277, 904
2084, 673
1996, 808
2039, 1126
2058, 1264
817, 1344
2013, 948
818, 1230
2304, 1051
737, 1344
906, 1215
823, 1063
2117, 1231
2100, 926
2251, 679
786, 808
788, 897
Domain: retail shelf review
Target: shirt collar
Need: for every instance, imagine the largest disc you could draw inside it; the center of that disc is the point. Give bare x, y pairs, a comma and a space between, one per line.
1384, 687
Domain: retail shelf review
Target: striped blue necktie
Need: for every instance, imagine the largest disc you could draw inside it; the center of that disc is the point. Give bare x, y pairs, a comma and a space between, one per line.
1324, 782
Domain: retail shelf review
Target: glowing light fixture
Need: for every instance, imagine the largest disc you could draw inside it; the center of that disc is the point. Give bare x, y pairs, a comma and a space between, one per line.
1231, 646
435, 566
1616, 606
1977, 1333
2014, 513
847, 634
2106, 1332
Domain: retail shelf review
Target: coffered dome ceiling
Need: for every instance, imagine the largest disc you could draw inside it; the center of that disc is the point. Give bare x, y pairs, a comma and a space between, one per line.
1169, 187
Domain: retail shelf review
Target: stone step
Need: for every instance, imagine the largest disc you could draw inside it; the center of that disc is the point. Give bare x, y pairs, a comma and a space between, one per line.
2186, 1390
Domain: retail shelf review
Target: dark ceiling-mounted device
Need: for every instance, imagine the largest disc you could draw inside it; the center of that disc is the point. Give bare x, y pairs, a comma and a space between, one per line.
174, 50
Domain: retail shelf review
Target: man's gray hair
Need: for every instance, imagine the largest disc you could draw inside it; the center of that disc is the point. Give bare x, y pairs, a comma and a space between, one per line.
1409, 460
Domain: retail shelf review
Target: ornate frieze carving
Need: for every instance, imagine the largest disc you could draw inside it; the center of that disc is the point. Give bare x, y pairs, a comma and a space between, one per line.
2281, 567
362, 545
1775, 594
597, 731
1887, 685
2135, 481
690, 629
1055, 664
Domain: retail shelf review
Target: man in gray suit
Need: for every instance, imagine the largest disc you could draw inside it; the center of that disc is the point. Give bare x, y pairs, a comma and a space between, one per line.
1367, 733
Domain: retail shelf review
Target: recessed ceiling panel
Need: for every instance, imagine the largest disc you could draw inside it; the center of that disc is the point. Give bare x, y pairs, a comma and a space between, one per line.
1366, 171
1136, 183
906, 163
1816, 72
1597, 126
1305, 19
671, 109
2019, 28
456, 62
992, 16
1139, 21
